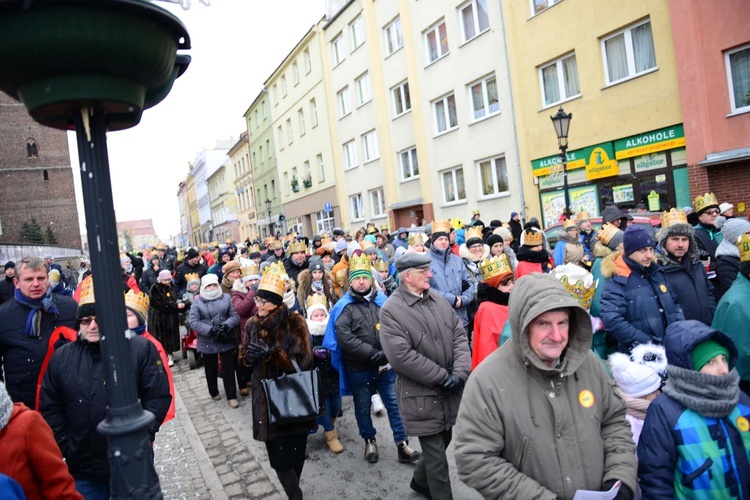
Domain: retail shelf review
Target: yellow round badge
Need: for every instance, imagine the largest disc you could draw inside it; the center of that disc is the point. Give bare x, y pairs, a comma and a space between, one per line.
743, 424
586, 398
663, 288
377, 326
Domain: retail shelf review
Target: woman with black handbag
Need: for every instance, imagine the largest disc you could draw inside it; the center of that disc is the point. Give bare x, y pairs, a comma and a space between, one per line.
274, 342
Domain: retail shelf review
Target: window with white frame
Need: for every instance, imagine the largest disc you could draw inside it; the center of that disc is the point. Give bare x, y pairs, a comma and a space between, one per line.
289, 135
265, 109
308, 61
355, 202
401, 99
321, 168
474, 18
337, 50
364, 91
301, 120
539, 5
436, 42
357, 32
308, 171
281, 138
344, 103
409, 164
295, 72
738, 75
446, 117
559, 80
261, 155
257, 120
629, 52
484, 101
325, 221
283, 86
260, 150
454, 189
287, 184
350, 155
493, 176
394, 39
268, 148
377, 202
370, 145
314, 112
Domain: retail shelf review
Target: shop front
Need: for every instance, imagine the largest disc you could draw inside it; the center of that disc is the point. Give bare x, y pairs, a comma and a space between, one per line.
648, 168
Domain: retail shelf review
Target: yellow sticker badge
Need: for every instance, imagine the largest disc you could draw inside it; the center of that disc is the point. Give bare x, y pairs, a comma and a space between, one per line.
377, 326
663, 288
586, 398
743, 424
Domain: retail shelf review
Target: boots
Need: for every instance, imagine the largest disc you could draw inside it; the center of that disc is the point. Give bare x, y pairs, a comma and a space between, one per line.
290, 482
371, 450
407, 455
332, 440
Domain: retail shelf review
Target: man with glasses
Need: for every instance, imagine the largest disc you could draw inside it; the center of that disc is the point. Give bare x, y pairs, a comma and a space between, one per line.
707, 235
26, 324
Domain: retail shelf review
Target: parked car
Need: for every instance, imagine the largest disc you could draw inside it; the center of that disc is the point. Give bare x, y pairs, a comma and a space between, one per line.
650, 221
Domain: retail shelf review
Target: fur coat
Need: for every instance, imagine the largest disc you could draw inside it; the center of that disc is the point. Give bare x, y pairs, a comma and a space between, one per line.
287, 336
304, 289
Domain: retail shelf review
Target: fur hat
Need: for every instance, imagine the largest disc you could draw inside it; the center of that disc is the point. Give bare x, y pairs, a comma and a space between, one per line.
633, 379
652, 355
679, 230
230, 266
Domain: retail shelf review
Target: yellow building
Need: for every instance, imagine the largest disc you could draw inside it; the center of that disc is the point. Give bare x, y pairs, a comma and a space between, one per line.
611, 64
195, 225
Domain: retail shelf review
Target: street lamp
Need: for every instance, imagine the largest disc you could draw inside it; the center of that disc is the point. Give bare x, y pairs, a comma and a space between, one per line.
561, 121
270, 225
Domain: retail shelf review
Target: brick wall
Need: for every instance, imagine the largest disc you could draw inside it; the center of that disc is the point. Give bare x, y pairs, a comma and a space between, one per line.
730, 183
24, 192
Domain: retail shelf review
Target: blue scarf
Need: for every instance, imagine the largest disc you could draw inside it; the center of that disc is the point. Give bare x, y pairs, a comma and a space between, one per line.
139, 329
34, 320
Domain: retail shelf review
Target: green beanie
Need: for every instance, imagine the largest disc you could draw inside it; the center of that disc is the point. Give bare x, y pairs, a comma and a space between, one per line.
705, 351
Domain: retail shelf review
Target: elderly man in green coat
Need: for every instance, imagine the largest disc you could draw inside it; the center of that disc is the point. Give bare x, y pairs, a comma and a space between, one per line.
539, 417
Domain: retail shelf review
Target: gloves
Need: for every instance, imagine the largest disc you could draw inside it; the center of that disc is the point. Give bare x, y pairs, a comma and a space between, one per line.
256, 351
239, 286
452, 384
624, 493
378, 358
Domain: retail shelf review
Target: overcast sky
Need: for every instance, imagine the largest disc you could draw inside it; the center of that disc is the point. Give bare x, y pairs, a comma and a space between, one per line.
236, 44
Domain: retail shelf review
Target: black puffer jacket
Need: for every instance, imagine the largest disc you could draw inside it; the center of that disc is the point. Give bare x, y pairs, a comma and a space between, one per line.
74, 400
357, 331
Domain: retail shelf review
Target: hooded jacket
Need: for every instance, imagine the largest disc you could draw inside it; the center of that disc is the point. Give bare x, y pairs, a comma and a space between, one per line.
733, 317
526, 430
567, 249
682, 454
452, 280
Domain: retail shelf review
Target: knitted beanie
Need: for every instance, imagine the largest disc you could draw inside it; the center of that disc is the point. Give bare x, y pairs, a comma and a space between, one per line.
635, 238
633, 379
6, 406
494, 238
164, 275
705, 352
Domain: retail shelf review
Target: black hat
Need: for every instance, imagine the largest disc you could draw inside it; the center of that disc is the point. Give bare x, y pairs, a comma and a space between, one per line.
191, 254
494, 238
495, 223
611, 213
413, 260
10, 264
338, 232
316, 264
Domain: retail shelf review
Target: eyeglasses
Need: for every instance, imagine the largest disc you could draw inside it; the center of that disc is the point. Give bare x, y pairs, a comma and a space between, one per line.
87, 320
260, 302
713, 211
508, 281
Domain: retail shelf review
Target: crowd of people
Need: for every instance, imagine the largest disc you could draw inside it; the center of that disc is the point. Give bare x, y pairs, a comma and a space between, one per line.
617, 360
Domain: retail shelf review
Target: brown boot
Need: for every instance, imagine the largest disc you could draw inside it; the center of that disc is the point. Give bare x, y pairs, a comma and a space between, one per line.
332, 440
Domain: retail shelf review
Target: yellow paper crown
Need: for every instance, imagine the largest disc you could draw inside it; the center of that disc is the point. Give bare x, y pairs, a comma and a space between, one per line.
138, 302
269, 240
474, 232
87, 292
582, 215
579, 291
204, 246
274, 279
365, 244
160, 246
277, 244
569, 223
415, 238
384, 227
673, 217
361, 263
441, 226
371, 230
214, 244
743, 242
253, 249
532, 238
249, 269
705, 201
381, 266
606, 233
325, 240
316, 298
192, 277
475, 212
495, 266
297, 246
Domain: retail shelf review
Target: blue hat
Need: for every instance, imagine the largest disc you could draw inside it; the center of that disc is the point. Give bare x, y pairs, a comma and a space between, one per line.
513, 214
635, 238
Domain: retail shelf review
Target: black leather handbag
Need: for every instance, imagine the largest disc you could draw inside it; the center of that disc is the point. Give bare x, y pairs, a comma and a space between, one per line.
293, 397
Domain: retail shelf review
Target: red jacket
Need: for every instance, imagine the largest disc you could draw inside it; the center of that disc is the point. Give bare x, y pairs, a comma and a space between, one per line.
165, 361
488, 325
525, 267
31, 457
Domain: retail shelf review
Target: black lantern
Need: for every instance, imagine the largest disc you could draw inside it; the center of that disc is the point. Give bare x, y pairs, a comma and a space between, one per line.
270, 225
561, 121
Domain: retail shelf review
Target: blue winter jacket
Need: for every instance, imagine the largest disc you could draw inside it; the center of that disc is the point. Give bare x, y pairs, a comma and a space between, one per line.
689, 282
682, 454
451, 279
637, 303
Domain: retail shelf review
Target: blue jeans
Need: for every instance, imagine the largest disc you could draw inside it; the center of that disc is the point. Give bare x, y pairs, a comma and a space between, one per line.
362, 384
91, 490
333, 406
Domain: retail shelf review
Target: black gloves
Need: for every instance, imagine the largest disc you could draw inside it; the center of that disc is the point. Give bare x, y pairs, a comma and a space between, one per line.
624, 493
256, 352
378, 358
452, 384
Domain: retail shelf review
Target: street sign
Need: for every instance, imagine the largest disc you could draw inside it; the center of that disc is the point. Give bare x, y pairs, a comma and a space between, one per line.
327, 207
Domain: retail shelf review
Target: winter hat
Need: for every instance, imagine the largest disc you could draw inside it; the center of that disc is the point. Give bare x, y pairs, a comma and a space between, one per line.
494, 238
399, 252
495, 223
209, 279
460, 236
371, 251
652, 355
513, 214
314, 307
732, 230
193, 253
6, 407
54, 278
724, 207
165, 274
125, 261
10, 264
340, 245
352, 247
230, 266
611, 213
705, 351
315, 264
635, 238
504, 233
633, 379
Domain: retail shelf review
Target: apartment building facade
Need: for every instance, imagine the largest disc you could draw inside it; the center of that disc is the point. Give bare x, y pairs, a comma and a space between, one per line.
239, 156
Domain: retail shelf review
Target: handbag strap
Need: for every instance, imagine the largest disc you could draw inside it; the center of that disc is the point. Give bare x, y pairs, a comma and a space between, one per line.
296, 365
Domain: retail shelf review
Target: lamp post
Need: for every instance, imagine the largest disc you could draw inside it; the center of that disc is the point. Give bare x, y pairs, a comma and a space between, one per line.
561, 121
270, 224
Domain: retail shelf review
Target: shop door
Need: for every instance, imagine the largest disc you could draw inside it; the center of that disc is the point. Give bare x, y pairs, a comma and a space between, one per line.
661, 183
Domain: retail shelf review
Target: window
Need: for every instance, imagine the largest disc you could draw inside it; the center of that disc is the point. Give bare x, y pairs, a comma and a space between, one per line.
493, 176
357, 30
357, 209
344, 103
265, 110
31, 149
289, 135
308, 171
281, 138
254, 160
474, 19
364, 92
283, 86
629, 52
350, 155
321, 168
257, 119
409, 164
308, 61
454, 189
261, 153
314, 112
45, 175
273, 188
337, 50
275, 91
401, 99
295, 72
287, 184
738, 74
325, 221
445, 114
394, 40
301, 120
377, 202
437, 42
539, 5
560, 80
370, 145
268, 148
484, 97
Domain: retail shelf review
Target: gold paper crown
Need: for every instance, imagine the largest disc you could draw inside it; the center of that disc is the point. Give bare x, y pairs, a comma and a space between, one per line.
253, 248
361, 263
474, 232
532, 238
160, 246
475, 212
137, 301
204, 246
371, 230
384, 227
192, 277
457, 223
316, 298
274, 279
415, 239
381, 266
365, 244
743, 242
495, 266
705, 201
579, 291
582, 215
325, 240
297, 246
214, 244
269, 240
606, 233
277, 245
569, 223
441, 226
249, 269
87, 292
673, 217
